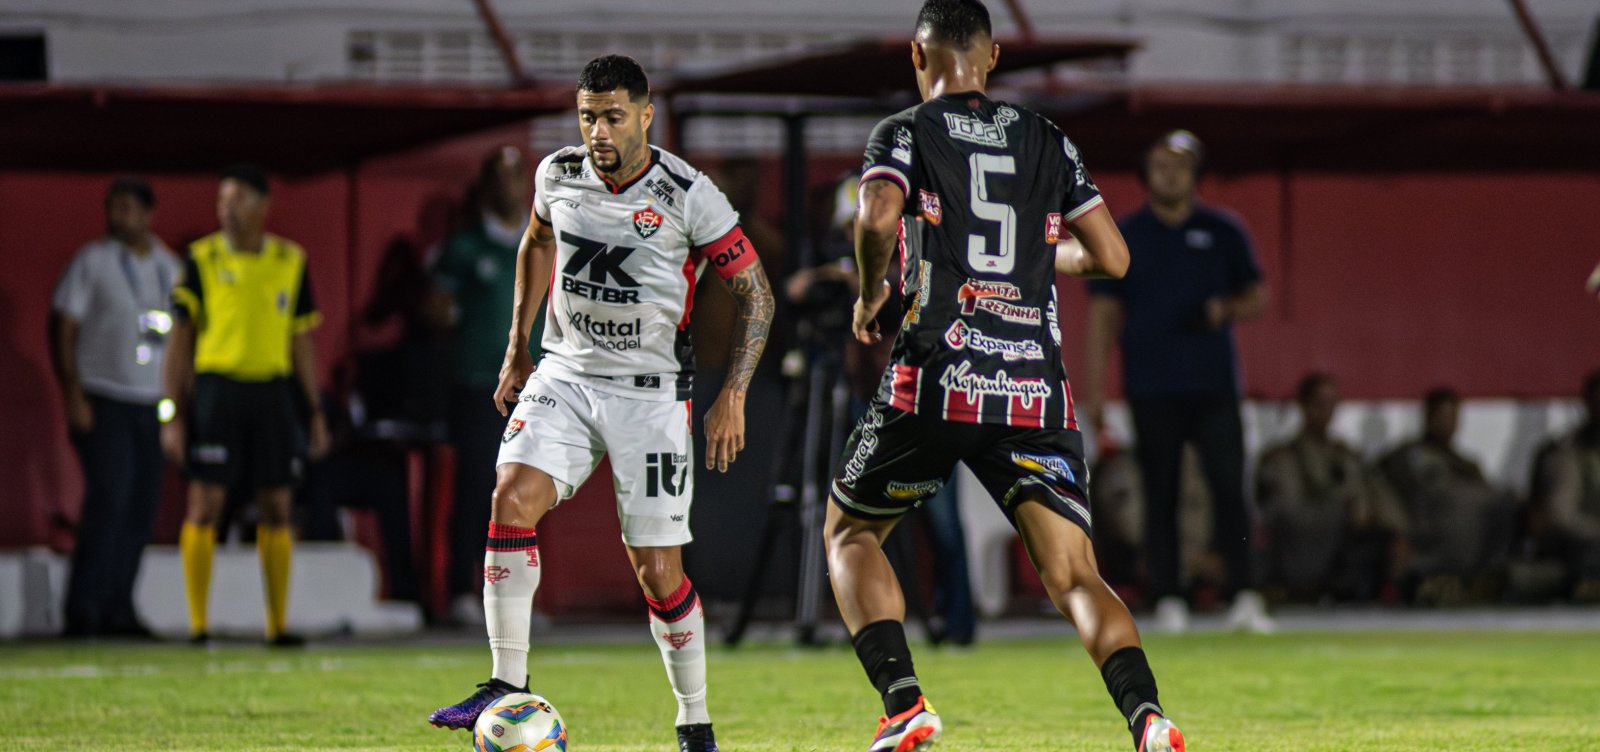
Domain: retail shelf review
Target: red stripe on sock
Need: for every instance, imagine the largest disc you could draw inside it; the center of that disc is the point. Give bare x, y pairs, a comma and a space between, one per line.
497, 530
672, 601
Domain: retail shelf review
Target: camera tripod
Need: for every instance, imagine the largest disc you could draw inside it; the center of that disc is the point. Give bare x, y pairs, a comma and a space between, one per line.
818, 399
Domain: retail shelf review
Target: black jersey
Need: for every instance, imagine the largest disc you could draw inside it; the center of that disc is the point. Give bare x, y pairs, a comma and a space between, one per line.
990, 188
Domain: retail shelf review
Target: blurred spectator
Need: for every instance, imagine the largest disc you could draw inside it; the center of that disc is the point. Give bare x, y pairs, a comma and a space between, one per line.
1193, 276
1568, 486
1327, 531
239, 378
390, 400
1460, 526
109, 325
477, 271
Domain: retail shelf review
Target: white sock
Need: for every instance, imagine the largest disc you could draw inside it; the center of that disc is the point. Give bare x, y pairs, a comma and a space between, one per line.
510, 577
679, 627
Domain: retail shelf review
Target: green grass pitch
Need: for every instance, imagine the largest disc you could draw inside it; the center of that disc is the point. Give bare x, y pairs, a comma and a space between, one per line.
1396, 692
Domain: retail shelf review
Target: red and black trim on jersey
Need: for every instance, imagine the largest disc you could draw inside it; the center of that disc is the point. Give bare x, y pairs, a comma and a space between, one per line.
961, 396
980, 342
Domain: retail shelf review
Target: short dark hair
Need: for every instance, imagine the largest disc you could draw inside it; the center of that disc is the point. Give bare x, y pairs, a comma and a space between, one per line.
136, 187
609, 72
959, 22
249, 174
1438, 397
1180, 140
1308, 385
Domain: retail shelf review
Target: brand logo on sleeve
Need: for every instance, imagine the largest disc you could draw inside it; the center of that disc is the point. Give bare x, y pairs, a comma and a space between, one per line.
902, 146
930, 206
1052, 228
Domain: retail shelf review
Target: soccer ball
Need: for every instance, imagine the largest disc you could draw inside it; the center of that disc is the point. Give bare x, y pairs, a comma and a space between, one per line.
520, 722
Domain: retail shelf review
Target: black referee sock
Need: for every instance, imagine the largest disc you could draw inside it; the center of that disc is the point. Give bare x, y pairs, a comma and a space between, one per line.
882, 648
1132, 687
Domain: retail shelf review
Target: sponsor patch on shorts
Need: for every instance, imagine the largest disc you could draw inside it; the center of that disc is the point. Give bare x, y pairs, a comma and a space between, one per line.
1051, 466
917, 491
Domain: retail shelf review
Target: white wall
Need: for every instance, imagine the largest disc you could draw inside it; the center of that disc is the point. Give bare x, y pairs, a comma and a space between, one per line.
1420, 41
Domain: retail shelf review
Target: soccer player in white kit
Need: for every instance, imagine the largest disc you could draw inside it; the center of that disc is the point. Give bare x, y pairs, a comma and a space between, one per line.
624, 229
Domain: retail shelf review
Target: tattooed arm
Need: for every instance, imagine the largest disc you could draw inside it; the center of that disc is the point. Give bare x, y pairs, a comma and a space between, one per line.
725, 421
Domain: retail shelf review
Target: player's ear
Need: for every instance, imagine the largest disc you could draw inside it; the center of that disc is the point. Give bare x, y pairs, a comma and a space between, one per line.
919, 56
994, 55
647, 114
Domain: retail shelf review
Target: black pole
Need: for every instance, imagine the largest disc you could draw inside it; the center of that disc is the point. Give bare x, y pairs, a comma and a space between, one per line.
794, 192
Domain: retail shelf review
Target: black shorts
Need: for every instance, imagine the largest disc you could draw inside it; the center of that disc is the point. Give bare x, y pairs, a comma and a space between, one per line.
896, 460
245, 433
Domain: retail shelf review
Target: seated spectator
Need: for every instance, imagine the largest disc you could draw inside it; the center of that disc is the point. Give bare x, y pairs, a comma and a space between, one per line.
1567, 493
1327, 533
1460, 526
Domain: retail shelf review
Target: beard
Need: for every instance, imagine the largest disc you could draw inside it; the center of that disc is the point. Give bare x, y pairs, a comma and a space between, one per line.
613, 166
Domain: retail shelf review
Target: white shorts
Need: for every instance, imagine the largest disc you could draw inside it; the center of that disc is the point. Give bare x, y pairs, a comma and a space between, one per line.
564, 428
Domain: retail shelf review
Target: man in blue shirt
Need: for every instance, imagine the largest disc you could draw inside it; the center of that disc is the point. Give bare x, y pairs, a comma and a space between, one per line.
1193, 276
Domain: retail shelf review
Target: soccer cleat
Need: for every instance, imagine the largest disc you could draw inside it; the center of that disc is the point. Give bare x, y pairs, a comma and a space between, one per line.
286, 640
1160, 735
916, 729
696, 737
465, 713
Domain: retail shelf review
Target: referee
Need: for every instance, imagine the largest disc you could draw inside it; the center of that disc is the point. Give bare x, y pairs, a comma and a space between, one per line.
239, 376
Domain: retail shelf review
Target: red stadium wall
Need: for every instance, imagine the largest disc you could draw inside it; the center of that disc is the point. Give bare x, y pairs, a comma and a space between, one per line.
1395, 282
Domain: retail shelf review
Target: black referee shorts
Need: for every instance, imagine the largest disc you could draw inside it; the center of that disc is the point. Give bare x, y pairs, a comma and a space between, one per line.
246, 433
896, 460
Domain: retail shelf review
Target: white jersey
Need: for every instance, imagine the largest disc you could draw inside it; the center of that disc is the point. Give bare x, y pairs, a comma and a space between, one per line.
627, 258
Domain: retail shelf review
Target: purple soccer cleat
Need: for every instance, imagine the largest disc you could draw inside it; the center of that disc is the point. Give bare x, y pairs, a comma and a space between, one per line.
465, 713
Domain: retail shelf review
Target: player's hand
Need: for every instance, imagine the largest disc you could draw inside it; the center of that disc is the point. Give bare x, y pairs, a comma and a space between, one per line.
1093, 411
80, 416
318, 446
724, 430
174, 438
865, 325
1217, 313
514, 373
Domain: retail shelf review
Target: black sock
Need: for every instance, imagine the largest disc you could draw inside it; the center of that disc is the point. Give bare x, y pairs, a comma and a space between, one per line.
1132, 687
882, 648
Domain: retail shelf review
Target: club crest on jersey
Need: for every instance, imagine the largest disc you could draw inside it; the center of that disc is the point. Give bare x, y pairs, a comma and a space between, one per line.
646, 221
1052, 228
930, 206
513, 428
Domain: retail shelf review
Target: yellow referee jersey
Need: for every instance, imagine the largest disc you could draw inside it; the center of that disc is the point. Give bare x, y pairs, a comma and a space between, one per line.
246, 307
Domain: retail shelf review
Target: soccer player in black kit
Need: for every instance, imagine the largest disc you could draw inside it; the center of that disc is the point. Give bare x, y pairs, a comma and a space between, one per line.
986, 201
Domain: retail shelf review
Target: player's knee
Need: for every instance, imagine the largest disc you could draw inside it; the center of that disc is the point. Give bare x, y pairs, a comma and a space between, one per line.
659, 574
1059, 578
518, 500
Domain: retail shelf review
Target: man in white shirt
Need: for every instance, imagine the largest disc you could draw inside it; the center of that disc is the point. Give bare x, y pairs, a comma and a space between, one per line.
622, 231
108, 332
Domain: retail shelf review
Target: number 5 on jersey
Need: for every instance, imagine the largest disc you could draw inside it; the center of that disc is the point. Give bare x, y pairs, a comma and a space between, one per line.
1000, 260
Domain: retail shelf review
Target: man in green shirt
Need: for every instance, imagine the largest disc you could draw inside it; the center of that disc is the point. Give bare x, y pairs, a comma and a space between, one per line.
477, 269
